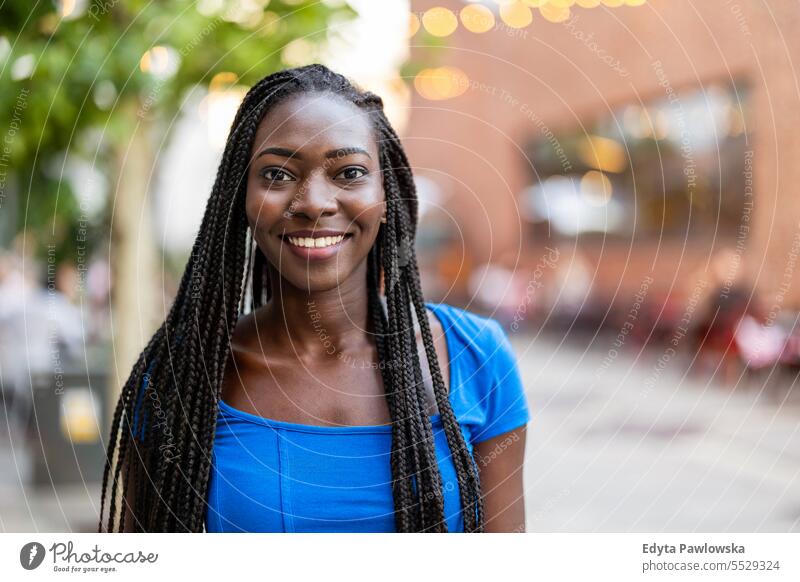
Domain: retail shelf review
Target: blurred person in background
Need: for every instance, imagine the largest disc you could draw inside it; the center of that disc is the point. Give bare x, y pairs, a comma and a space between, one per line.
714, 338
760, 340
40, 333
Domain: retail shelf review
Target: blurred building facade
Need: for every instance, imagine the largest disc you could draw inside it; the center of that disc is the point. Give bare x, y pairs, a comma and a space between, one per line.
650, 143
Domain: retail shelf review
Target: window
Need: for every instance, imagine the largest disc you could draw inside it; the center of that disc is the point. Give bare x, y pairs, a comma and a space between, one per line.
673, 166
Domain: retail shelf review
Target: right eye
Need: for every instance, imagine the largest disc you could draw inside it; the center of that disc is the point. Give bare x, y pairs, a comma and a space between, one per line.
276, 175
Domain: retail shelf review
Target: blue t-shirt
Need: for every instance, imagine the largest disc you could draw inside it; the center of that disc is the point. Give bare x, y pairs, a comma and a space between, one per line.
275, 476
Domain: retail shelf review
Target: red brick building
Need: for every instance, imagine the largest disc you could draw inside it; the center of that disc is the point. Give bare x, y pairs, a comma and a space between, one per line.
717, 201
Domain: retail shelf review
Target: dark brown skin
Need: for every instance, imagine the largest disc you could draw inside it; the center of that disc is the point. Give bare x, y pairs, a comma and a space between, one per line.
501, 481
280, 367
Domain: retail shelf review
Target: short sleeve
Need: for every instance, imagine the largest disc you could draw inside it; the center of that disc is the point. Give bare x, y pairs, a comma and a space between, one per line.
505, 403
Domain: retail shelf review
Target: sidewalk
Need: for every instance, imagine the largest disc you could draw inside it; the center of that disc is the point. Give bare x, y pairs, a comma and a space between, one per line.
623, 446
70, 508
629, 446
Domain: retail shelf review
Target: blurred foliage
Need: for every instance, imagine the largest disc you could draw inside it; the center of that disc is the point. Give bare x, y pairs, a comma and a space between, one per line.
63, 75
430, 51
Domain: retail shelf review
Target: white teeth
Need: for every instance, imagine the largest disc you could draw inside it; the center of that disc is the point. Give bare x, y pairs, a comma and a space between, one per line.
319, 242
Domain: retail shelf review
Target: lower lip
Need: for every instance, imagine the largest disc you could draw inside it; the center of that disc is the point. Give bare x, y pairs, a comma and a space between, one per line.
315, 253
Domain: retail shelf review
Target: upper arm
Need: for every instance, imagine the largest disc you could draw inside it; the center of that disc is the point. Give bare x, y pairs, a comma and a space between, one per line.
500, 461
499, 445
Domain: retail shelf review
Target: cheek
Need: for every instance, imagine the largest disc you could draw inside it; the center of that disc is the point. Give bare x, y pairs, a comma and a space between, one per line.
262, 208
366, 210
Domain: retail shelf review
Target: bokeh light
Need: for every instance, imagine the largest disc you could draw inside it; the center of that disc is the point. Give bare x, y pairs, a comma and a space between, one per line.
554, 13
516, 14
477, 18
439, 83
440, 21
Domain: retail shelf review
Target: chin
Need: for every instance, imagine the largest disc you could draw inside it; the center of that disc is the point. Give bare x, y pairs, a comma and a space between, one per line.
311, 282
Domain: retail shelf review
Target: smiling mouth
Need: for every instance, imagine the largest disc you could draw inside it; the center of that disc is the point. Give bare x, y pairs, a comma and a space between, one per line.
319, 242
323, 246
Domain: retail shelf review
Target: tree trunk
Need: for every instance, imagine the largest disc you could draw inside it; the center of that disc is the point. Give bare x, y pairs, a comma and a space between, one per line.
133, 254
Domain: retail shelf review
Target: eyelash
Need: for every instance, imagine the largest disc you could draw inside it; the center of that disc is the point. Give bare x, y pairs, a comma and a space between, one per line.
352, 168
264, 173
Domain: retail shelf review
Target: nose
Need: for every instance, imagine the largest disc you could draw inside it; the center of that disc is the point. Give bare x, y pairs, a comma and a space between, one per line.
315, 198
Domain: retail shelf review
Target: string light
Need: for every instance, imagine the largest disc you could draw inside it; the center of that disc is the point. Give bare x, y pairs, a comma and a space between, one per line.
439, 21
516, 14
413, 24
477, 18
441, 83
554, 13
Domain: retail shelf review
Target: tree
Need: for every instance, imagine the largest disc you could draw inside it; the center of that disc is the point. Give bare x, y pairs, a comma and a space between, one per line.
100, 79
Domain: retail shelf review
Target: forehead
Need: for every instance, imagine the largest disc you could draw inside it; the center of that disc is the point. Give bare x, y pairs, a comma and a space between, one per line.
315, 120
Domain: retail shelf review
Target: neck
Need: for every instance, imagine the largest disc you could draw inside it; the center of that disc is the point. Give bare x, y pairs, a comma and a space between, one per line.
318, 322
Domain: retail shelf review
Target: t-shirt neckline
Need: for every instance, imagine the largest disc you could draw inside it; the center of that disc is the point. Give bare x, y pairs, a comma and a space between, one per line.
356, 428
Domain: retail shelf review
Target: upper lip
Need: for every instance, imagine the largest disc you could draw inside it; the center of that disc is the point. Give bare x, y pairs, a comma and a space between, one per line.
315, 233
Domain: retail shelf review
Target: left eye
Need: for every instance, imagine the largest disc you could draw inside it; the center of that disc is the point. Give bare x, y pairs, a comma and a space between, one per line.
351, 173
276, 175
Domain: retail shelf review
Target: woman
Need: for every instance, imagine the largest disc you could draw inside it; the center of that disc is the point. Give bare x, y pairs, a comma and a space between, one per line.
298, 383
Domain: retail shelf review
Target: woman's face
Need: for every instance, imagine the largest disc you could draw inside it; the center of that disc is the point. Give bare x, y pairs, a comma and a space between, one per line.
314, 190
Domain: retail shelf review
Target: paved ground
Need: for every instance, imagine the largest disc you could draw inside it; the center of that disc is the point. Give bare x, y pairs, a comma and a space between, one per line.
620, 443
616, 444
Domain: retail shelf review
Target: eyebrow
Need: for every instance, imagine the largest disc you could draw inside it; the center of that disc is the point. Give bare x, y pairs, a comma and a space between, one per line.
348, 151
336, 153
